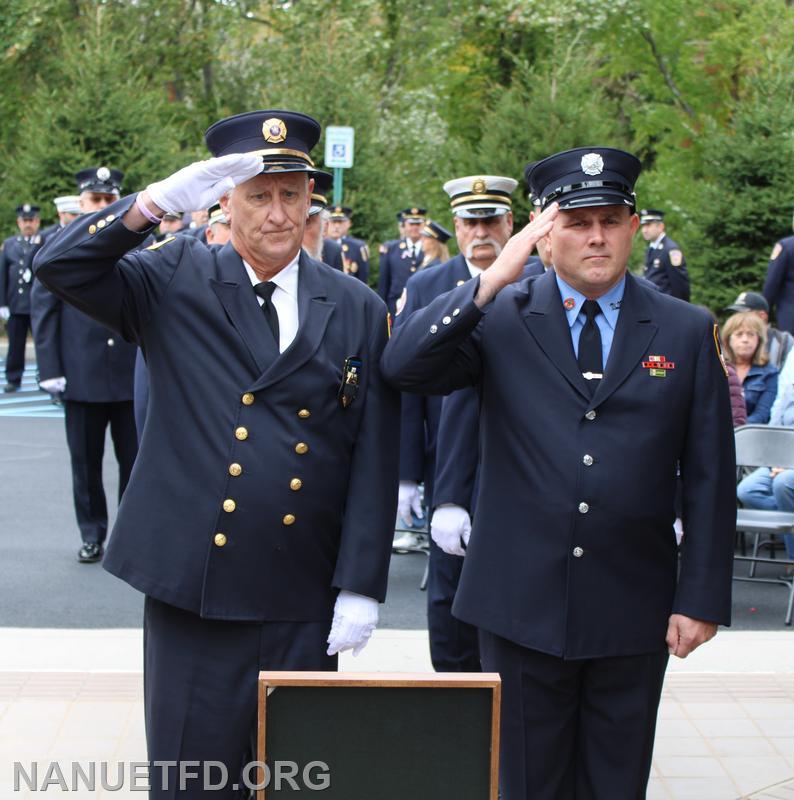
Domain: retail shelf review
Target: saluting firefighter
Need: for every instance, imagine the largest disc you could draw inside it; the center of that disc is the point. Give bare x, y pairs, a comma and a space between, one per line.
16, 261
571, 573
665, 264
354, 251
259, 517
401, 258
90, 368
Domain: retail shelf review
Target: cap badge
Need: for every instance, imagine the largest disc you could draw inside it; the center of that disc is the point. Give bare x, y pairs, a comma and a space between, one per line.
26, 208
592, 164
274, 130
478, 187
103, 174
569, 303
414, 211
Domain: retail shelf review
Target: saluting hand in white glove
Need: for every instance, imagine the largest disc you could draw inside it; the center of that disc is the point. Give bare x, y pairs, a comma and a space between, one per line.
408, 501
355, 619
202, 183
450, 528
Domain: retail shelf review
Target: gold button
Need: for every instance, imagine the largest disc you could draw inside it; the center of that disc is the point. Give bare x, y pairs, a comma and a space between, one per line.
248, 399
288, 519
235, 470
220, 539
229, 505
295, 484
92, 229
101, 223
301, 448
241, 433
304, 413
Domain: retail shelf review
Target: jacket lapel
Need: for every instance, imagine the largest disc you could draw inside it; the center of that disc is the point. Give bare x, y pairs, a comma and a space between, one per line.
233, 289
545, 318
633, 336
314, 313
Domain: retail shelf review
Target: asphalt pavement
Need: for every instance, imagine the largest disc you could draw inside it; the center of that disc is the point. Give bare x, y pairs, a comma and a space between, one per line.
43, 585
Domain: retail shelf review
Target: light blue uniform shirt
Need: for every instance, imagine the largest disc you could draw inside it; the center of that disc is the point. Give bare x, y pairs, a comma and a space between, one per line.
606, 320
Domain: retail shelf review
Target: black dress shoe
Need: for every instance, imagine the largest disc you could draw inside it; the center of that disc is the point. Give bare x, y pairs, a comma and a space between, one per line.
90, 552
11, 387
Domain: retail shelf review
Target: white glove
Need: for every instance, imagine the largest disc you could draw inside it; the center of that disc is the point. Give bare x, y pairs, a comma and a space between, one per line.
202, 183
355, 618
53, 385
408, 500
5, 313
450, 528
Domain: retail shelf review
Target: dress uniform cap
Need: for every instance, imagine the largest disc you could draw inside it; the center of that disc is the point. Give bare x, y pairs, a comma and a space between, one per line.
584, 177
342, 212
283, 138
215, 214
480, 195
413, 214
28, 211
749, 301
433, 230
101, 180
651, 215
68, 204
323, 183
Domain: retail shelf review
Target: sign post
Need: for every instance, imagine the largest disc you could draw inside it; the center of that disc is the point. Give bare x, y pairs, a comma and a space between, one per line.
339, 144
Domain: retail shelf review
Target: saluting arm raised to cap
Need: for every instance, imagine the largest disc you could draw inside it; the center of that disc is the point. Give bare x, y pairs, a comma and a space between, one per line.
509, 264
199, 185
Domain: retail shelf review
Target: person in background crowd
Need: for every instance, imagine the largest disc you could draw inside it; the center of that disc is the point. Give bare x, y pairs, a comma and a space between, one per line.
434, 244
744, 343
400, 259
778, 343
198, 225
68, 208
171, 225
779, 283
91, 367
354, 251
738, 407
218, 229
665, 264
16, 262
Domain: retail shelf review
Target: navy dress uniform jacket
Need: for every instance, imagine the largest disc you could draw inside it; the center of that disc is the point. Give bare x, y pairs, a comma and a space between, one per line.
332, 254
356, 256
572, 551
660, 270
395, 267
16, 275
311, 484
97, 363
779, 284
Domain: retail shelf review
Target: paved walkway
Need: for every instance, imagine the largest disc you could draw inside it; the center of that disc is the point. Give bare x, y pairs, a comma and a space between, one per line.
726, 727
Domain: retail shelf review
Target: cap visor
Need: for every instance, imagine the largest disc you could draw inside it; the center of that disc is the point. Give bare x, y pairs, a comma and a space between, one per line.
480, 212
588, 198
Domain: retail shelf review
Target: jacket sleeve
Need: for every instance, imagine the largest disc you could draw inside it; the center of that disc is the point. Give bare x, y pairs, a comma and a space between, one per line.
383, 273
90, 266
436, 349
708, 472
766, 398
459, 442
775, 275
45, 320
3, 274
368, 527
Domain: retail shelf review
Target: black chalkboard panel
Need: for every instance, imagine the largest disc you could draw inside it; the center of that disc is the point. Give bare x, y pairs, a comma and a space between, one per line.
379, 737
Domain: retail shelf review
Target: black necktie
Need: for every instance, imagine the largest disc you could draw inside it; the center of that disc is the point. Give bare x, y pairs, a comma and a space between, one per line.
590, 357
265, 291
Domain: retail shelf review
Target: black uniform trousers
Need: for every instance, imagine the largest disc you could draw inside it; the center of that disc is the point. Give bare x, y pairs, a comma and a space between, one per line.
200, 691
454, 645
17, 328
574, 730
86, 424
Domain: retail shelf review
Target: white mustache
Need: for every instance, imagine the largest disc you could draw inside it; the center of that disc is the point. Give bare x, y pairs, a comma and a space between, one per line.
479, 243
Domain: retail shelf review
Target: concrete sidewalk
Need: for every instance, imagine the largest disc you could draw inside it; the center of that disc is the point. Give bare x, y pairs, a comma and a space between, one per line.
726, 726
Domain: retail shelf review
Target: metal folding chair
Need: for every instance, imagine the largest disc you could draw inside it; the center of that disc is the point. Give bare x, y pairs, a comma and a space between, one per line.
765, 446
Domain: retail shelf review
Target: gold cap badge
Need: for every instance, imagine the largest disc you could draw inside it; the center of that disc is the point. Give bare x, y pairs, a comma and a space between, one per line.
274, 130
479, 186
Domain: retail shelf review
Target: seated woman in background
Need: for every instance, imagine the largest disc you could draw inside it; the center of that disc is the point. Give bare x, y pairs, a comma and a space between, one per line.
744, 343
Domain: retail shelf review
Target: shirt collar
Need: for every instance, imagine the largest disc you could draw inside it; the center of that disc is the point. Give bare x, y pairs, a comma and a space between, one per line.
609, 302
656, 244
286, 279
473, 271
